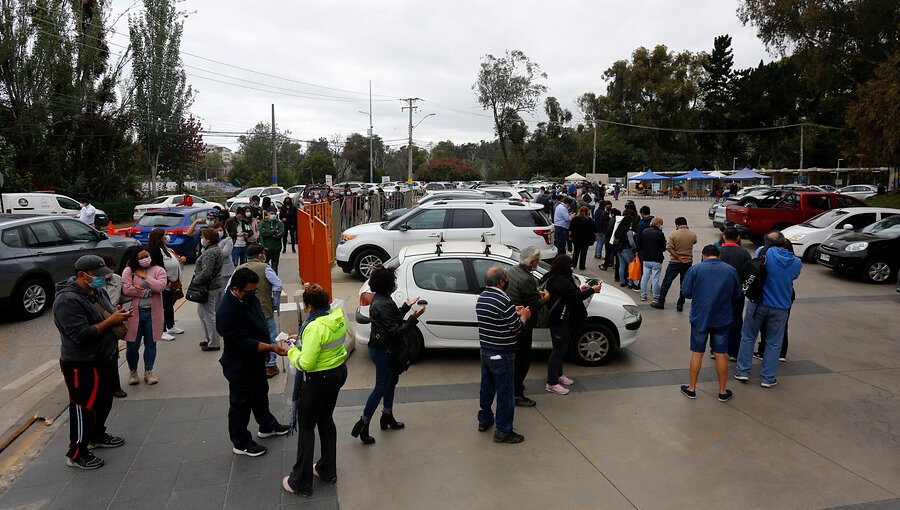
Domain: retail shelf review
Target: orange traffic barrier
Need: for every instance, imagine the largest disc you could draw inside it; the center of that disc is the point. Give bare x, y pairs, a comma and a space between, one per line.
305, 241
111, 229
322, 211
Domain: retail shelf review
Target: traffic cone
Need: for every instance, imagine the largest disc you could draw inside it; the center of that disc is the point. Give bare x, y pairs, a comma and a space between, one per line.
111, 229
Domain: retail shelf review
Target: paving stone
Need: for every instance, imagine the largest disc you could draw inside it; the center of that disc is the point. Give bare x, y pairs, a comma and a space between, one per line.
203, 474
170, 433
139, 485
153, 456
93, 491
46, 471
180, 410
32, 496
211, 497
321, 504
259, 492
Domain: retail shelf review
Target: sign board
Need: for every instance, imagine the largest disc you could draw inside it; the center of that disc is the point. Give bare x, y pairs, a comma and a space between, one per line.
838, 182
655, 187
385, 178
328, 180
409, 180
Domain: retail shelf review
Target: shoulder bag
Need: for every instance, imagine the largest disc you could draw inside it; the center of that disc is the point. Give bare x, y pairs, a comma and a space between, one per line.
119, 330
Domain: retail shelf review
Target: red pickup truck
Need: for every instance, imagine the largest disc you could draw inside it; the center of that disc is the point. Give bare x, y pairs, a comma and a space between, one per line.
792, 209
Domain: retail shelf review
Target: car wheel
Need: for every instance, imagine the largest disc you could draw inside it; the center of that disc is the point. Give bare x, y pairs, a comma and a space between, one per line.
812, 254
877, 271
416, 345
366, 262
593, 345
33, 299
751, 204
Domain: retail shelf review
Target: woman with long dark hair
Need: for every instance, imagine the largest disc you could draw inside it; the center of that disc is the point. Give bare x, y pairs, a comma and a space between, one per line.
625, 238
567, 315
144, 282
388, 329
165, 257
583, 233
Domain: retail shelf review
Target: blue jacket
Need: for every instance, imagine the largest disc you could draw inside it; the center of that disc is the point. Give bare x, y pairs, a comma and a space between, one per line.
782, 268
712, 286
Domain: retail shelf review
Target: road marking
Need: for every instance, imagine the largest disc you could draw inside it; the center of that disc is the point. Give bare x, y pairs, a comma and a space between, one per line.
31, 374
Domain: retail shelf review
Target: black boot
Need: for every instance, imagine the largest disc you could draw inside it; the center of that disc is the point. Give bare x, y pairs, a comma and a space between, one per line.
361, 430
388, 422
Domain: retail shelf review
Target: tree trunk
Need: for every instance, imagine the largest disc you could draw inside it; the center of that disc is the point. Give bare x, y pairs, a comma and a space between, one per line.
154, 165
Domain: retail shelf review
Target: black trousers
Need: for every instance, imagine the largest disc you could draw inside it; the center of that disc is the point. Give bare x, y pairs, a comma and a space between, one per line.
318, 396
168, 309
579, 254
561, 335
292, 231
610, 258
248, 392
272, 257
523, 360
91, 387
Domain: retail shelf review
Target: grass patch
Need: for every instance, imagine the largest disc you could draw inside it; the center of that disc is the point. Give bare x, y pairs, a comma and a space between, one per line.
889, 200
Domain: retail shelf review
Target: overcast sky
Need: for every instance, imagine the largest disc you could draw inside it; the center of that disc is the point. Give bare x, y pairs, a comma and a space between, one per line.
424, 49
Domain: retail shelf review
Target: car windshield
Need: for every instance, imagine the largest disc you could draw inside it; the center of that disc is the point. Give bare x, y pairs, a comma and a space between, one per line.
158, 200
888, 227
825, 219
159, 220
249, 192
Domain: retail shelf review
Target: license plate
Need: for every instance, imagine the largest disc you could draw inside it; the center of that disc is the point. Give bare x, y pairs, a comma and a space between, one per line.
824, 257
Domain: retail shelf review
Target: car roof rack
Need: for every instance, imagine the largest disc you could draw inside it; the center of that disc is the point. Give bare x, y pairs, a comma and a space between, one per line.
487, 244
437, 246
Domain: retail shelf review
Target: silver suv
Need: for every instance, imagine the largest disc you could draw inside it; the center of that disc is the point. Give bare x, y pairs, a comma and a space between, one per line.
36, 252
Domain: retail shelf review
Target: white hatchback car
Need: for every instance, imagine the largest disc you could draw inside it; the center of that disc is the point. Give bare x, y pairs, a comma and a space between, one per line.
511, 222
274, 192
451, 280
860, 191
168, 202
807, 236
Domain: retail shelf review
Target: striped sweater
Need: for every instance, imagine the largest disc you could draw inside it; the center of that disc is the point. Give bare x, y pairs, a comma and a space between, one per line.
498, 322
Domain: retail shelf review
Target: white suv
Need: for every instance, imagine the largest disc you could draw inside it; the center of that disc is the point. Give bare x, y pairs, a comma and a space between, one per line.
509, 222
451, 279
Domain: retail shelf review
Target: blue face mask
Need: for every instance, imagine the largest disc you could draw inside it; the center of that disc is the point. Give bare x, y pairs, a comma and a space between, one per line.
98, 282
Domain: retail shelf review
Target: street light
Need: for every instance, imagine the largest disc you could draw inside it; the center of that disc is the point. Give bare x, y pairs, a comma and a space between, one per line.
371, 161
733, 164
409, 148
423, 119
838, 172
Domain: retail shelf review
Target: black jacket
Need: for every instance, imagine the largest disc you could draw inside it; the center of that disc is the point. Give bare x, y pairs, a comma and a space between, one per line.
653, 243
243, 327
570, 307
75, 315
582, 230
642, 225
388, 324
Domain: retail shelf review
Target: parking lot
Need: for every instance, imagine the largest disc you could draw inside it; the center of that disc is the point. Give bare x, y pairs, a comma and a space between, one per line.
827, 436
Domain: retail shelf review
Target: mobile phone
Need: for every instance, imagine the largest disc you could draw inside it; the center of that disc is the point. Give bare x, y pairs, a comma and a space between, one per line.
422, 302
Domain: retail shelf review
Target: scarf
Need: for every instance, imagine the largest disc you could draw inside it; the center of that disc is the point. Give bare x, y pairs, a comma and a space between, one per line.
298, 378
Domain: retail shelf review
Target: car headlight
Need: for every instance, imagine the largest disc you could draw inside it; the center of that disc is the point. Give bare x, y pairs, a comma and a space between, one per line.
345, 238
632, 309
857, 246
797, 237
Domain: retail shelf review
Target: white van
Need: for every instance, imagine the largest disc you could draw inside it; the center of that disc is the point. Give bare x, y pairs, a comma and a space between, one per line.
48, 204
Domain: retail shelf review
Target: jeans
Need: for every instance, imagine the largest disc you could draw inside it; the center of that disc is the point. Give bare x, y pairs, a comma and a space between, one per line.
598, 246
239, 255
145, 333
737, 323
672, 270
523, 359
762, 318
784, 343
318, 396
273, 332
497, 374
561, 335
625, 257
560, 238
207, 313
718, 340
651, 276
385, 384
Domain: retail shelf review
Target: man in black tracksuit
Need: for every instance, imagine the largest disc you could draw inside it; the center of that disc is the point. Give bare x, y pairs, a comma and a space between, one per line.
88, 354
245, 337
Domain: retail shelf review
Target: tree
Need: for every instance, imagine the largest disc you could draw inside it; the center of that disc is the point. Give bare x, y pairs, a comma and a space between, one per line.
507, 86
253, 167
213, 164
356, 153
448, 169
181, 155
316, 165
716, 97
161, 92
873, 115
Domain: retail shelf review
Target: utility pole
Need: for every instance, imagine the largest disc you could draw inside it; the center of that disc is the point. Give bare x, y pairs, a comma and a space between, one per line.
274, 163
411, 108
594, 161
371, 128
801, 148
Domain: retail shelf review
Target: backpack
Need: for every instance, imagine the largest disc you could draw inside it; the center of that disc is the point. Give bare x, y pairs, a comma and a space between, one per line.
753, 277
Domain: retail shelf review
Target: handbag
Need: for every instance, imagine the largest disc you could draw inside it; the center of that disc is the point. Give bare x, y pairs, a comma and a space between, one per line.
197, 293
399, 354
634, 268
176, 288
119, 330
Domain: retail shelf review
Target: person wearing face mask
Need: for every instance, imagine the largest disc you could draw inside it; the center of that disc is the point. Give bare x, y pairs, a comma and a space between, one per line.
244, 235
144, 283
269, 295
165, 257
288, 216
271, 230
208, 274
87, 321
211, 219
240, 321
226, 244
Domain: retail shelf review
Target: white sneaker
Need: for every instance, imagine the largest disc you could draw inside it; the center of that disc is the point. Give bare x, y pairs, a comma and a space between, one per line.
557, 388
175, 330
167, 337
566, 381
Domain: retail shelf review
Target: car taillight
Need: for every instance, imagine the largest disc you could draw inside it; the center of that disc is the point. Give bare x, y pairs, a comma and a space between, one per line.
365, 299
178, 231
133, 231
543, 233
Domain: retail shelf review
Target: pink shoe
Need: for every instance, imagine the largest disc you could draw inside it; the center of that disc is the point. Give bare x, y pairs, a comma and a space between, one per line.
566, 380
558, 389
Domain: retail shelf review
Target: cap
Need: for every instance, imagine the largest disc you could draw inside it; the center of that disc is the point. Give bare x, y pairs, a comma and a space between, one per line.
212, 213
92, 264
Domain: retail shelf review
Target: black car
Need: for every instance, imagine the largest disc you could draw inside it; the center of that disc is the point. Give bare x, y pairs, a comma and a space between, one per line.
873, 252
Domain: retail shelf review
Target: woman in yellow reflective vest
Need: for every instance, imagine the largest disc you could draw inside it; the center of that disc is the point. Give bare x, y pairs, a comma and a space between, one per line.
319, 358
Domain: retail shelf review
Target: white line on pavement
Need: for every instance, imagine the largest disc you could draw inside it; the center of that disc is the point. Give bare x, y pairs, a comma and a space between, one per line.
31, 374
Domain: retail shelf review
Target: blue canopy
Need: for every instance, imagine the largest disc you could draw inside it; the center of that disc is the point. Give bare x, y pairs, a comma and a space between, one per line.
693, 175
747, 174
649, 175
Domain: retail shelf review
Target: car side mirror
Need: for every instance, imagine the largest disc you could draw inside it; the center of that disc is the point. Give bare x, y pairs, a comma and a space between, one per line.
847, 226
403, 228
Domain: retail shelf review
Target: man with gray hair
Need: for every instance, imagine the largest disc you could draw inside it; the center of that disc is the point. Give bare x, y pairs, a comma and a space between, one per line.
523, 291
499, 323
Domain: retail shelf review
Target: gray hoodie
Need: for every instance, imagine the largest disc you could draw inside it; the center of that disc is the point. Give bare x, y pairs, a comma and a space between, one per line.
75, 315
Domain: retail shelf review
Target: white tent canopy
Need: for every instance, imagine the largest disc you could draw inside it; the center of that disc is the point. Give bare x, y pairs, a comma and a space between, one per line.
717, 175
576, 177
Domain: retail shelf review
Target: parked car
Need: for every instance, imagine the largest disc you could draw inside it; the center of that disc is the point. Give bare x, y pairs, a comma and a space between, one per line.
36, 252
315, 193
295, 191
450, 280
860, 191
807, 236
240, 205
510, 222
50, 204
439, 195
509, 192
168, 202
176, 222
273, 192
792, 208
434, 186
873, 252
